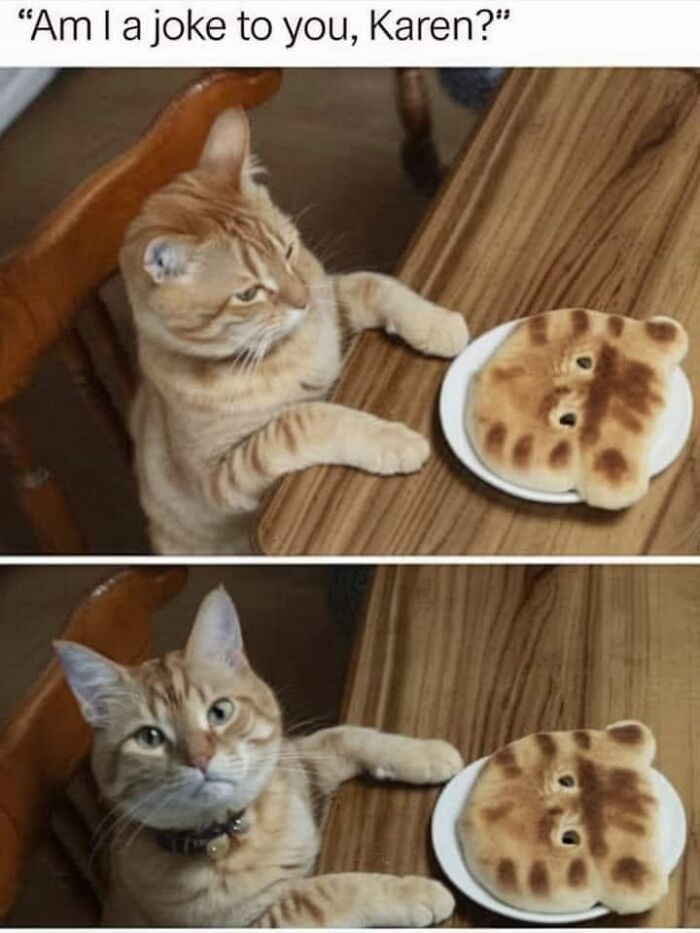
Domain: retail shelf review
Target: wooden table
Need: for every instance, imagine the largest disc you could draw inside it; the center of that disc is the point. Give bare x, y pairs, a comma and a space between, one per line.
483, 655
580, 188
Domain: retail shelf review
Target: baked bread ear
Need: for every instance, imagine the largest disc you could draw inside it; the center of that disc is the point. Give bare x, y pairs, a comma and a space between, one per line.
561, 821
571, 399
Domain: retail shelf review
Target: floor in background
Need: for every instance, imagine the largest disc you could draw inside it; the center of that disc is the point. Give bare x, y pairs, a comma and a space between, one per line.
330, 140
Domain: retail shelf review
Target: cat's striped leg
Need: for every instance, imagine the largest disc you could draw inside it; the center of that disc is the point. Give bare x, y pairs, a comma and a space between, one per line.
371, 300
334, 755
308, 435
361, 900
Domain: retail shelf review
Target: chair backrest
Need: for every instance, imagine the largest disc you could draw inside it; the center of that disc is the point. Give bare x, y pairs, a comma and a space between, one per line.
57, 271
45, 737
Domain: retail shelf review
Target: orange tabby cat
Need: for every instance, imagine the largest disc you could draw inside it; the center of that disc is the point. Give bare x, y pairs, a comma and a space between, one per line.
217, 813
240, 334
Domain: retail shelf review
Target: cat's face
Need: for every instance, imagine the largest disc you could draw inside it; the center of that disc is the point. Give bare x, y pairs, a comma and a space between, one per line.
563, 820
571, 399
181, 741
213, 268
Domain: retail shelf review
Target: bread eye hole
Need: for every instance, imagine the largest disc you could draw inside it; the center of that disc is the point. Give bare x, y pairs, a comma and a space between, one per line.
570, 838
568, 420
584, 362
567, 780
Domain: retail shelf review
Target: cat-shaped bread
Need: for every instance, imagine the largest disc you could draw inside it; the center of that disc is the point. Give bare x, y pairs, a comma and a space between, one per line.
571, 399
561, 821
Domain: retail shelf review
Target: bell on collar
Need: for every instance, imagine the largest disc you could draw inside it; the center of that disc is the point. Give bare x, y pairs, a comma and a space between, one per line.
240, 825
217, 848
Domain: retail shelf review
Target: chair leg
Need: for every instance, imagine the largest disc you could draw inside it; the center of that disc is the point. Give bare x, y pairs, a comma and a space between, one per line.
40, 497
418, 153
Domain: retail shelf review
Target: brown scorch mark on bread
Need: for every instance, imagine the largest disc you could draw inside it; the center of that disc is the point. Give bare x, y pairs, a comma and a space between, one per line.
506, 873
560, 454
538, 329
580, 322
595, 381
522, 451
662, 331
612, 464
630, 871
627, 733
580, 826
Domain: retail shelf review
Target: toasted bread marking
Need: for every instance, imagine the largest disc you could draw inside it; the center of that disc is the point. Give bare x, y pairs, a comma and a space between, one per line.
582, 738
492, 814
579, 321
630, 733
577, 873
522, 451
663, 331
538, 330
612, 464
538, 878
496, 437
546, 743
505, 758
616, 324
560, 455
629, 870
506, 874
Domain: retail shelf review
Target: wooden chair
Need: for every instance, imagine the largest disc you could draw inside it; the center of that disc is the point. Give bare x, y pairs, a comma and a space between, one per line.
45, 738
419, 154
58, 272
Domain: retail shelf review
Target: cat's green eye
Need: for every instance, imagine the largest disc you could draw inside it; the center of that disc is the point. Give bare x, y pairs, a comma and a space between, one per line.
220, 712
248, 294
149, 737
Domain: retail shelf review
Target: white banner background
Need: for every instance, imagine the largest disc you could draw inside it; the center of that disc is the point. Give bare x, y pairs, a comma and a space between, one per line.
536, 32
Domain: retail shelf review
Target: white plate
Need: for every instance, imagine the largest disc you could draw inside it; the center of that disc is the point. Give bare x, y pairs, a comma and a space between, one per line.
447, 848
670, 437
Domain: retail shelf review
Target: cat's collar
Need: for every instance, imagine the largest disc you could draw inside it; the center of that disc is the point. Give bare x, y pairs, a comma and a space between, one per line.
214, 840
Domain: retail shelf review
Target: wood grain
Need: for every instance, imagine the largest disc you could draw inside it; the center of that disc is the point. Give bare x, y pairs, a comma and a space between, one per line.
483, 655
580, 188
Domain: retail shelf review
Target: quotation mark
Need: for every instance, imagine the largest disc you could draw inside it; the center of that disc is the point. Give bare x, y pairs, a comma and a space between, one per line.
502, 14
26, 13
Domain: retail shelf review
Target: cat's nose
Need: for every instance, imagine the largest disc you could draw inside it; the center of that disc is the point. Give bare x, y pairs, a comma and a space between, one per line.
295, 293
201, 762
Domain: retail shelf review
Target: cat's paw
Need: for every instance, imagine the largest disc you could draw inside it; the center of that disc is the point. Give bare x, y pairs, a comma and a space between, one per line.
396, 449
425, 901
421, 761
436, 332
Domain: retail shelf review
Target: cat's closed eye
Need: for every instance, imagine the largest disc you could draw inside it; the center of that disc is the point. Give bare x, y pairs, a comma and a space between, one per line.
290, 250
248, 294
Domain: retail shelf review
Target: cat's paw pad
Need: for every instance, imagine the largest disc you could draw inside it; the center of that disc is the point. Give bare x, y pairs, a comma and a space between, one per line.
398, 449
426, 901
421, 761
438, 333
443, 761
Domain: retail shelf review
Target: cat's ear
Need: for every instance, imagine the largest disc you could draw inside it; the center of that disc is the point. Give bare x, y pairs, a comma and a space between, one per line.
228, 144
216, 633
168, 258
92, 678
